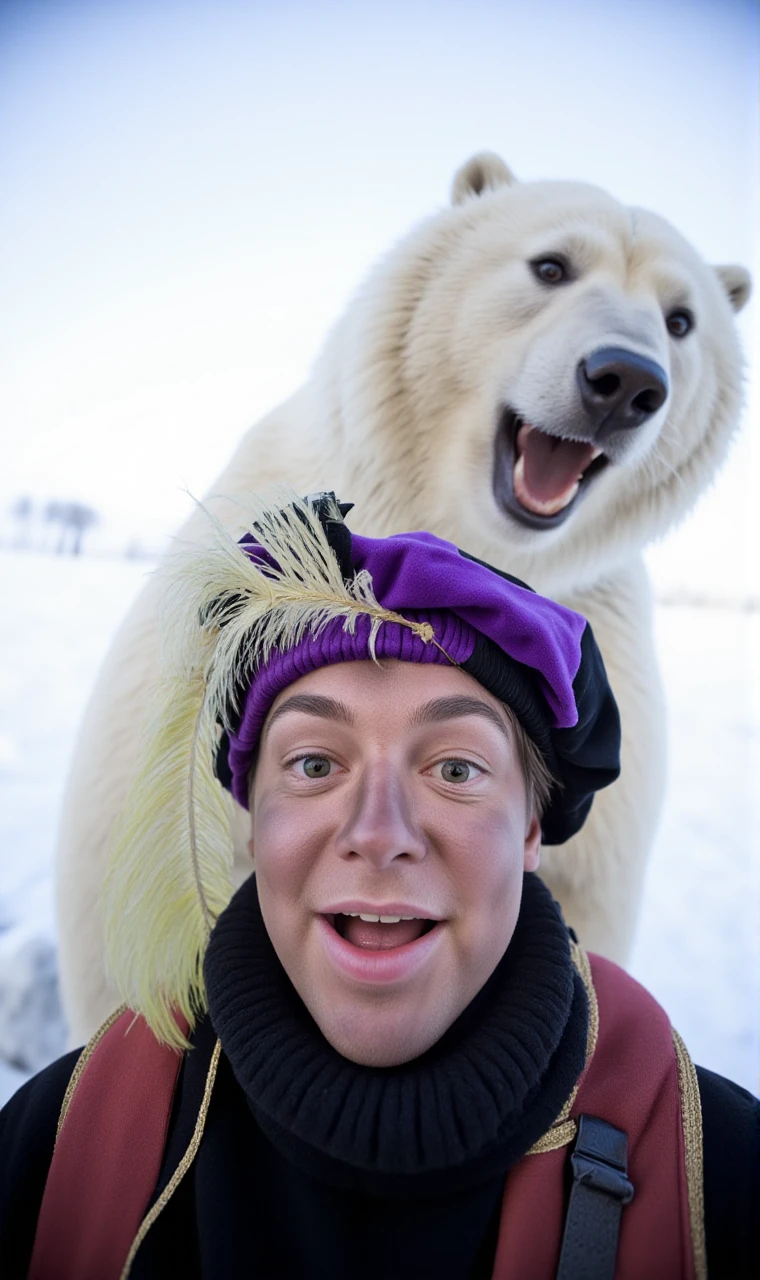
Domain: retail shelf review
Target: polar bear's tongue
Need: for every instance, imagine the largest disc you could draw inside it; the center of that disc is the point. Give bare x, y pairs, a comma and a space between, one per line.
548, 470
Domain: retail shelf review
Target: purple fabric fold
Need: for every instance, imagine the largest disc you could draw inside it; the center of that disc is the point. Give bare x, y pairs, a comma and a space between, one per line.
420, 571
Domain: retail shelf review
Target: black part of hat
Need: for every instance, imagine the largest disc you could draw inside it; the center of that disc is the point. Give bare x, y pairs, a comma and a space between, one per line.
338, 534
589, 751
583, 758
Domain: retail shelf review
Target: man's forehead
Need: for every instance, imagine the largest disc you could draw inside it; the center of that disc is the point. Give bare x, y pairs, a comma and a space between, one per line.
419, 710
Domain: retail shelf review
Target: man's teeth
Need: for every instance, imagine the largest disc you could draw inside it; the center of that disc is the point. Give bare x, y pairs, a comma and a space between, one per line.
380, 919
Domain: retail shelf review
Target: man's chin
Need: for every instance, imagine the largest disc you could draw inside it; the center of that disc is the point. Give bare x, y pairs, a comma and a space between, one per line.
387, 1039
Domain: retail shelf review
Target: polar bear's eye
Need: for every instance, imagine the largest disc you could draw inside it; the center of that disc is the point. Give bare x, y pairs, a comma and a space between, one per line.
679, 323
550, 270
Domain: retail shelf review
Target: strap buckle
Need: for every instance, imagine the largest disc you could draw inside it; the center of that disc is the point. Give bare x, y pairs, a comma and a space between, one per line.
594, 1172
599, 1191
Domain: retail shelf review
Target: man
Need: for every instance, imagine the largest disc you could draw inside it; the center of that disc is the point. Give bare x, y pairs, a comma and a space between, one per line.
402, 1065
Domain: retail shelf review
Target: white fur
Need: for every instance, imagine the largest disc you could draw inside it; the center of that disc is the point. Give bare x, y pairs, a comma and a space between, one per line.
399, 417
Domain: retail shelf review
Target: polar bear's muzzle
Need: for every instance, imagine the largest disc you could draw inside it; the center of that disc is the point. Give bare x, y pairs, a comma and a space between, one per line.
541, 472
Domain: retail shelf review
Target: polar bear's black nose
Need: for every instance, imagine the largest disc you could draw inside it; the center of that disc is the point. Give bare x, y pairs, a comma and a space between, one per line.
620, 388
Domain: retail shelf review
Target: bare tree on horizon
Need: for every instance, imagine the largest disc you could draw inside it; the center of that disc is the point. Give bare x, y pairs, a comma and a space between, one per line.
75, 518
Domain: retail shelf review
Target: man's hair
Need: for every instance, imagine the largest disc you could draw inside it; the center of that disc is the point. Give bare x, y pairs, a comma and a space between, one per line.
538, 780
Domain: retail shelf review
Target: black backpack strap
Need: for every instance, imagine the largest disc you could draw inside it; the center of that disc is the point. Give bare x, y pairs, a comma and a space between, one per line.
600, 1189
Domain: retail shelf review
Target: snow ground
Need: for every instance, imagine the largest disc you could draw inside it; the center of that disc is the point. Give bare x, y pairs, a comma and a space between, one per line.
698, 946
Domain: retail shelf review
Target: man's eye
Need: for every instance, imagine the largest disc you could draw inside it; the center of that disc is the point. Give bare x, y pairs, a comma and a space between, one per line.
315, 766
458, 770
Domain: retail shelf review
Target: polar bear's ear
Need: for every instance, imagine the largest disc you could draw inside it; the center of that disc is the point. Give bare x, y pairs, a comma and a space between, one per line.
483, 172
737, 283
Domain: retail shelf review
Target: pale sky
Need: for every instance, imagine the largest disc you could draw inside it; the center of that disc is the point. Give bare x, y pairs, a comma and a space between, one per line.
189, 192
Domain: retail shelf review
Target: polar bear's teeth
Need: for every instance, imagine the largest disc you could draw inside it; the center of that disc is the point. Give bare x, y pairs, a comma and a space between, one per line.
540, 506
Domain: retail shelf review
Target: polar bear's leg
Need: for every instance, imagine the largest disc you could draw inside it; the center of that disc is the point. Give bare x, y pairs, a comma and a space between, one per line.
598, 875
99, 777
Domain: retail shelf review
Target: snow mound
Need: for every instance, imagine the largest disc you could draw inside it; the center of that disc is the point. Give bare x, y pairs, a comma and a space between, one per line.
32, 1027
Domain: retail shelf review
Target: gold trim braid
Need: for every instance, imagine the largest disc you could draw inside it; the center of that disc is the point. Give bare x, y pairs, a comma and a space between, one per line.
583, 965
559, 1135
564, 1129
691, 1116
81, 1063
182, 1167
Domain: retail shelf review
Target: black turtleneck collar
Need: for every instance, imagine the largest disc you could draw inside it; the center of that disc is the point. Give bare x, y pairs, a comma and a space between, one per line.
463, 1112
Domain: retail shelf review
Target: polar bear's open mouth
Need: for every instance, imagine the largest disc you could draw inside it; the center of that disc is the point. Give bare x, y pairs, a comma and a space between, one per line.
539, 477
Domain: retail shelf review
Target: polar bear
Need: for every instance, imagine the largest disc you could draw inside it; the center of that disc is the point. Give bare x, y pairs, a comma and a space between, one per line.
546, 378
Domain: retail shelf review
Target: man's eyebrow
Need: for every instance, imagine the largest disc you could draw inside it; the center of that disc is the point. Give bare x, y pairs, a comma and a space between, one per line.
458, 705
313, 704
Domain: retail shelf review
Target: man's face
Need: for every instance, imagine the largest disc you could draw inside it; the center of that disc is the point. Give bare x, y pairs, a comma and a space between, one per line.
391, 790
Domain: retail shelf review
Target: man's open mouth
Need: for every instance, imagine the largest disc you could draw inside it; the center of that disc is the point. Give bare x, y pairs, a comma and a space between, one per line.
379, 933
539, 477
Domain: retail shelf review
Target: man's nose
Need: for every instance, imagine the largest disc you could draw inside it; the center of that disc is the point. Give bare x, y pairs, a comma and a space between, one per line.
381, 827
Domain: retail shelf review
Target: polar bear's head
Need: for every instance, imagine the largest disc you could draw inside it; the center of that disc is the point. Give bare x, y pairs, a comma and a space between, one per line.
542, 374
